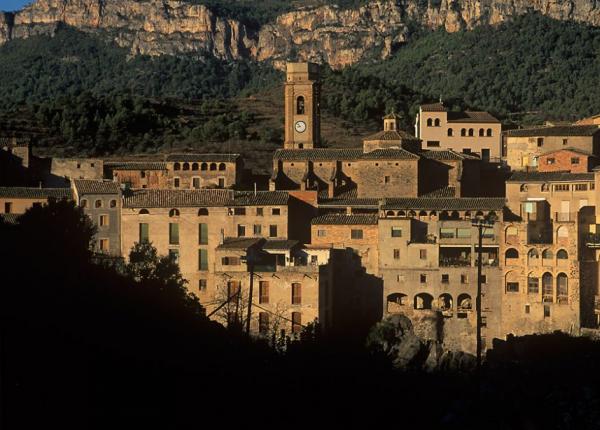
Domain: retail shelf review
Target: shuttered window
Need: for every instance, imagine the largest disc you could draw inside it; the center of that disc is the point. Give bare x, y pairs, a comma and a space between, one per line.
144, 232
296, 293
202, 259
296, 322
173, 234
263, 292
203, 234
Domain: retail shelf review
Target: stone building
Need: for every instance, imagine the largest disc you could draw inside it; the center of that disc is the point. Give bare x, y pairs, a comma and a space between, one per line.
525, 146
138, 174
101, 201
302, 106
470, 132
16, 200
195, 171
567, 160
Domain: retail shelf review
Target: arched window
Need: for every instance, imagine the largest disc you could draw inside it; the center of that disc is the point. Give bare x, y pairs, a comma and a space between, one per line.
113, 203
450, 132
489, 132
562, 288
395, 302
547, 287
562, 255
512, 282
222, 166
523, 188
533, 284
445, 302
390, 213
423, 301
83, 203
98, 203
562, 232
300, 106
204, 166
422, 214
174, 213
203, 212
186, 166
412, 214
545, 187
401, 214
437, 122
471, 132
176, 166
479, 214
144, 212
533, 256
213, 166
464, 302
511, 253
463, 131
511, 233
481, 132
429, 122
194, 166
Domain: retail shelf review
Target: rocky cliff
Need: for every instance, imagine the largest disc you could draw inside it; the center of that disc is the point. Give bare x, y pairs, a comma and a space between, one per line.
329, 34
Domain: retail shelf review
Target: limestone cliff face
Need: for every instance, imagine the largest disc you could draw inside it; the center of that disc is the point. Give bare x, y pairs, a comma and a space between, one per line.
324, 34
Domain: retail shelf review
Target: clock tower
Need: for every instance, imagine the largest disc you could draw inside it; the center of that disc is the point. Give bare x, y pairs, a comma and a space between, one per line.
302, 111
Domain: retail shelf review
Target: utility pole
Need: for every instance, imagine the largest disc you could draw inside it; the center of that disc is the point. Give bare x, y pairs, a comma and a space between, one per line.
481, 224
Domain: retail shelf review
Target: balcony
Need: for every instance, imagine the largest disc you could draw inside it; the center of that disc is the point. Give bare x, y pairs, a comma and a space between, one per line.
592, 240
455, 256
455, 261
564, 217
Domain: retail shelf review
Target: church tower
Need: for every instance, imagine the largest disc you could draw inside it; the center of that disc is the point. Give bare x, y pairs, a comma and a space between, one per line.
302, 112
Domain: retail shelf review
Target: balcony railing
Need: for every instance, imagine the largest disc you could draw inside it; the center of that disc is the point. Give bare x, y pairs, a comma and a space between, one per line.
454, 262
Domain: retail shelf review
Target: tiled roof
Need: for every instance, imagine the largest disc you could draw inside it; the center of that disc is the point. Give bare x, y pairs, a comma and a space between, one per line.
318, 154
90, 186
440, 204
271, 244
136, 165
390, 135
239, 242
10, 218
572, 130
550, 177
346, 219
389, 153
260, 198
349, 202
471, 117
442, 192
433, 107
570, 149
392, 115
35, 193
447, 155
149, 198
203, 157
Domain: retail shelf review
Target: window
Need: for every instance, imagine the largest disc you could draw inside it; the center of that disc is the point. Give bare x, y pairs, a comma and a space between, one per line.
263, 323
527, 309
203, 212
545, 187
463, 233
546, 311
471, 132
296, 293
396, 232
433, 143
581, 187
386, 179
483, 279
423, 254
173, 234
489, 132
103, 221
202, 284
481, 132
103, 245
259, 211
230, 261
512, 287
450, 132
174, 213
174, 255
463, 132
562, 255
241, 230
8, 207
272, 231
212, 166
113, 203
203, 234
565, 141
296, 322
396, 254
540, 141
533, 285
144, 232
561, 187
196, 183
176, 166
194, 166
562, 288
221, 182
176, 182
429, 122
464, 279
263, 292
574, 160
445, 278
356, 234
276, 211
202, 259
222, 166
423, 278
300, 106
98, 204
233, 288
83, 204
550, 161
257, 229
447, 233
436, 122
321, 233
142, 174
239, 211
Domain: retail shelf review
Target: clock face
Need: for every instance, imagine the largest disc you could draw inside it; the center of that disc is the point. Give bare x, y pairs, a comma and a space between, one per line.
300, 126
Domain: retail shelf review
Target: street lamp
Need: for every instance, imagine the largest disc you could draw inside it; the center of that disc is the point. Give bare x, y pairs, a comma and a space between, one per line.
481, 224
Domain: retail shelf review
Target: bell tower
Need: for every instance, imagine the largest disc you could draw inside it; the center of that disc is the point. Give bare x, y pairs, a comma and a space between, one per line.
302, 111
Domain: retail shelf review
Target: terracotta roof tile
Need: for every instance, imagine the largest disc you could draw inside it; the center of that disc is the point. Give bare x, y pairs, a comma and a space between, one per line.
226, 158
441, 204
433, 107
35, 193
136, 165
471, 117
90, 186
391, 135
346, 219
573, 130
149, 198
562, 176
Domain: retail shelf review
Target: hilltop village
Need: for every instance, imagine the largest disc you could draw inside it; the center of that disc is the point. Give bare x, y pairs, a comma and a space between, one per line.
347, 237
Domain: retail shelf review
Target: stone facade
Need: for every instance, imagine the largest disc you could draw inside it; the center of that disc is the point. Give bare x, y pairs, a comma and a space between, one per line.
567, 160
302, 106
